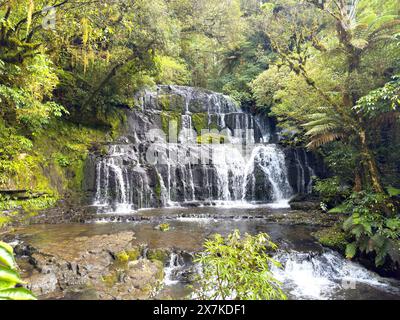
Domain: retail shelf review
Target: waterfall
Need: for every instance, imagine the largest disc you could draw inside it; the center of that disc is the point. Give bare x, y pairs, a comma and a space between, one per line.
311, 172
243, 167
305, 172
271, 161
173, 269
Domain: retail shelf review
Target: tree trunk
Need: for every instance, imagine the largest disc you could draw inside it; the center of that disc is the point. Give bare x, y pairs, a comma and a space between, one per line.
369, 159
357, 181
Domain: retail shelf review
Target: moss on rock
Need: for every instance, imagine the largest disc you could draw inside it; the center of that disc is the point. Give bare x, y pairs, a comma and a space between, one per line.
333, 237
200, 122
212, 138
128, 255
173, 120
171, 102
161, 255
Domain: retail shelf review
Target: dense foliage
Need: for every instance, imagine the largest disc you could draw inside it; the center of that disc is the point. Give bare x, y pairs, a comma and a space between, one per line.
374, 225
238, 267
333, 85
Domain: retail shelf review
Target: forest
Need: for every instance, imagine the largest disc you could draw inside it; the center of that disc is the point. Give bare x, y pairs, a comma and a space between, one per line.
325, 75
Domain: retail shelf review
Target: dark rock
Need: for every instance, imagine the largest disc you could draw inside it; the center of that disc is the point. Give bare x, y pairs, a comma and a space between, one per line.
305, 206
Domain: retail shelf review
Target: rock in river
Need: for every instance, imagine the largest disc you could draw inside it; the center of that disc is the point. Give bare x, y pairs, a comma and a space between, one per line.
109, 265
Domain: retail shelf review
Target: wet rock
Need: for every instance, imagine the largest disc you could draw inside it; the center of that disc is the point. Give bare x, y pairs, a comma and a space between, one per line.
305, 202
159, 254
93, 262
42, 284
305, 206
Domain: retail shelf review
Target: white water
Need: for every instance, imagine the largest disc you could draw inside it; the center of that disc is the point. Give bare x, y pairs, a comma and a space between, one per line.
324, 276
171, 271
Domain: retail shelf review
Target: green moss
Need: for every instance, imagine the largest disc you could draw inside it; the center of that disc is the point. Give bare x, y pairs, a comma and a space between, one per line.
200, 122
50, 163
117, 122
122, 256
171, 103
164, 227
157, 189
214, 122
333, 237
134, 254
164, 101
4, 220
110, 279
173, 119
211, 138
161, 255
128, 255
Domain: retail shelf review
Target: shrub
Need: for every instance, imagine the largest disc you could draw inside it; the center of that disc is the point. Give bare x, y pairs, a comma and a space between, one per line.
374, 226
239, 268
331, 191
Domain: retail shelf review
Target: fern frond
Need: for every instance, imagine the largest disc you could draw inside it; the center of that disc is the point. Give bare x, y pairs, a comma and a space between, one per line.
323, 139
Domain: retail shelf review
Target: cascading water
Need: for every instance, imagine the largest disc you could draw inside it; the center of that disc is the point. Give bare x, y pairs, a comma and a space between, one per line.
246, 167
175, 266
326, 275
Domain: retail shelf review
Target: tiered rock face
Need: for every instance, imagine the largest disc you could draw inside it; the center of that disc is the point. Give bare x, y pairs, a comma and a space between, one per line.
189, 145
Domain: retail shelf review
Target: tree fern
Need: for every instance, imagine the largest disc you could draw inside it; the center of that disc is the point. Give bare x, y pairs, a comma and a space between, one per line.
324, 128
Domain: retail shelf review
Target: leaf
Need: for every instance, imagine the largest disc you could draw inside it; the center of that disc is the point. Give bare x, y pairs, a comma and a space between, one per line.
358, 231
359, 43
393, 224
351, 250
339, 209
7, 258
9, 275
17, 294
393, 192
6, 285
348, 224
7, 247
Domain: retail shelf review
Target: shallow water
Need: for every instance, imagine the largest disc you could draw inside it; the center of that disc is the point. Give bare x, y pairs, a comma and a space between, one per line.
309, 270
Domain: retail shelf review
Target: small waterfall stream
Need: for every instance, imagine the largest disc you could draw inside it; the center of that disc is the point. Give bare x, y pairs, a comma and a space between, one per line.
150, 167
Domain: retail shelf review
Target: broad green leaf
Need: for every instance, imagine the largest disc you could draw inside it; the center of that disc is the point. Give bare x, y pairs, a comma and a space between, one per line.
7, 258
351, 250
6, 285
17, 294
339, 209
393, 192
6, 274
7, 247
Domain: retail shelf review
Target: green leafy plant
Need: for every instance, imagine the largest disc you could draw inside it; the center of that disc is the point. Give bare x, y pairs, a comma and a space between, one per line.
10, 280
374, 227
238, 267
62, 160
331, 191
